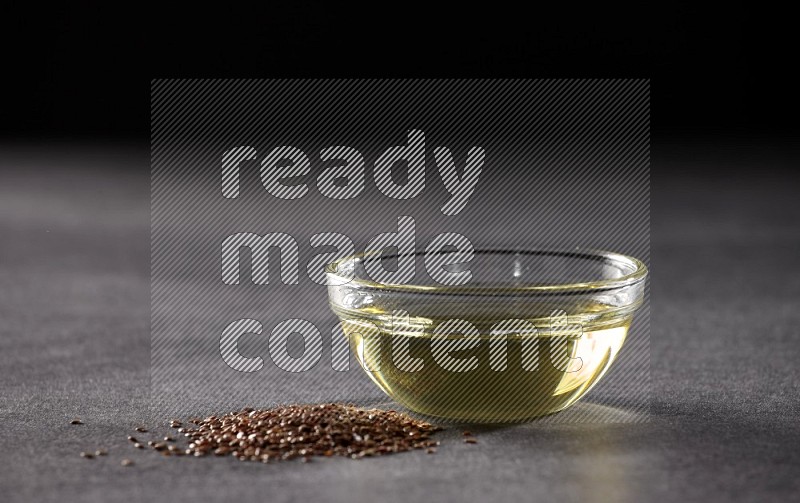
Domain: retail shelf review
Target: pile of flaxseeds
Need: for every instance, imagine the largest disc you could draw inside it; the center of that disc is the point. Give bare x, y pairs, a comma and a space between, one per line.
303, 431
293, 431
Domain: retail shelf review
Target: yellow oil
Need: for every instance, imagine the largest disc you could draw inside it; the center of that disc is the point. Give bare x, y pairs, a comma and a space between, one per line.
538, 372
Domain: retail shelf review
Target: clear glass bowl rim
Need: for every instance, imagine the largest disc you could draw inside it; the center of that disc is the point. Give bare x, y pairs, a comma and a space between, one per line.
638, 274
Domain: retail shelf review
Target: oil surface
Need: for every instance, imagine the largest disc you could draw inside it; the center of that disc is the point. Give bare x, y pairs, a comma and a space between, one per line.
539, 364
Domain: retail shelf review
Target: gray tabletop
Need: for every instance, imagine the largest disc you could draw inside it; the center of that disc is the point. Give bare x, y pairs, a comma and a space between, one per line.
75, 342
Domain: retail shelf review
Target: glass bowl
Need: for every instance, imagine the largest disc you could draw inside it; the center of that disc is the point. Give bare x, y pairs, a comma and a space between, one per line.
528, 334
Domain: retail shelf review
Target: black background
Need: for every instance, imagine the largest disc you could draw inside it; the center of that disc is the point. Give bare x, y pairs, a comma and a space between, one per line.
77, 70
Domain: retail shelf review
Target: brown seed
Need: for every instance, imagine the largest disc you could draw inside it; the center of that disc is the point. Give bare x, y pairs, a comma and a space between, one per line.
101, 452
126, 462
168, 439
76, 421
141, 429
303, 431
467, 433
431, 450
132, 439
470, 441
138, 445
87, 455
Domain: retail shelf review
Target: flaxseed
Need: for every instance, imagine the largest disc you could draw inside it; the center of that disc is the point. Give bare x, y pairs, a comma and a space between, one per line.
304, 431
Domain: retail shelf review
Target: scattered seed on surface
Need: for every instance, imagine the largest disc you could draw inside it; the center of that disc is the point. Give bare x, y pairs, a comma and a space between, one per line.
132, 439
168, 439
76, 421
431, 450
467, 433
138, 445
141, 429
87, 455
304, 431
126, 462
470, 441
101, 452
